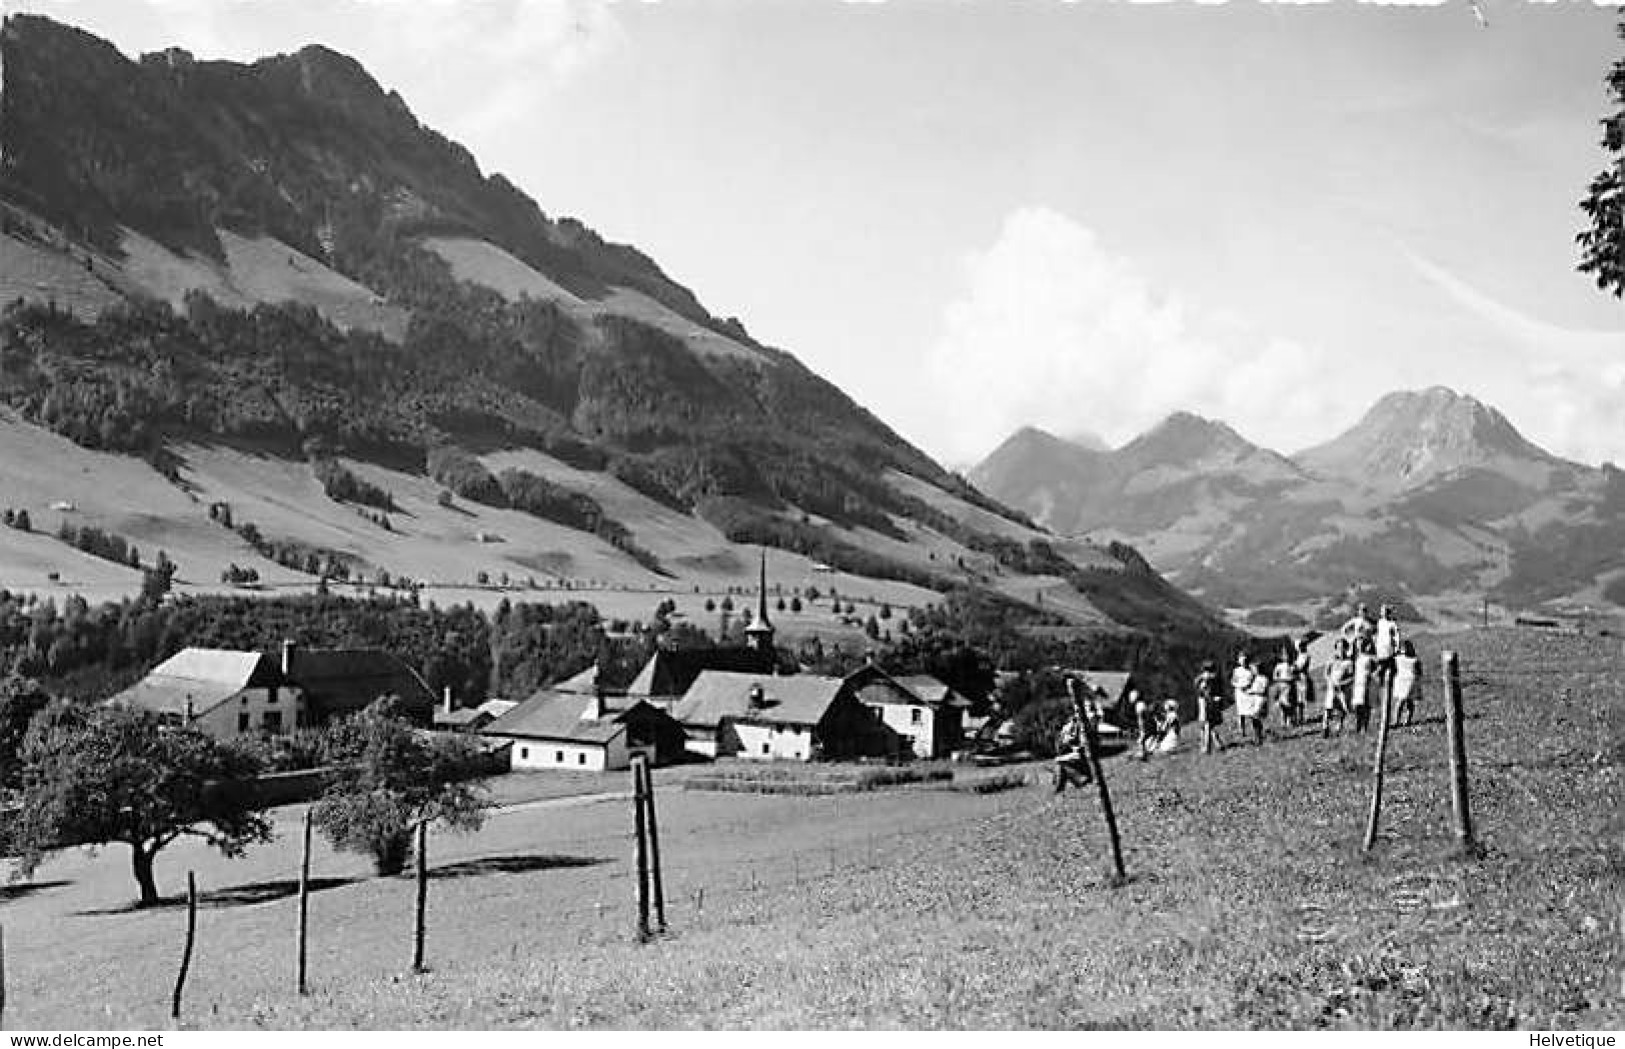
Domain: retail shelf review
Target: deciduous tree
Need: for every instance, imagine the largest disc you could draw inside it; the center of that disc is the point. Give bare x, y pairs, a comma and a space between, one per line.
121, 776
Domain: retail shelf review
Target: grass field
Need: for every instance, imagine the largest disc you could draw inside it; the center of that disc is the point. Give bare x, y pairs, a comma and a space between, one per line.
1248, 903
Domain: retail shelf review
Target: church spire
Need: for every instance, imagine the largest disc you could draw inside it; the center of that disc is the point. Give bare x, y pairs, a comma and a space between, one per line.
760, 632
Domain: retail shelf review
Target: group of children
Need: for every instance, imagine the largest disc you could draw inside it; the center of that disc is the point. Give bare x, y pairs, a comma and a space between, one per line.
1369, 657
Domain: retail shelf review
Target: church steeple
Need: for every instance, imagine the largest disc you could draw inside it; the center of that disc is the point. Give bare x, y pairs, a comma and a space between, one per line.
759, 634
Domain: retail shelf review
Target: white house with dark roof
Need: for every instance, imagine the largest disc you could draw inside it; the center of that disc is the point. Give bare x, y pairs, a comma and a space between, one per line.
566, 730
762, 717
220, 692
923, 710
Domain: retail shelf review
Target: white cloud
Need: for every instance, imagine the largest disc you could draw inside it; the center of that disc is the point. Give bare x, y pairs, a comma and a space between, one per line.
1564, 388
1056, 331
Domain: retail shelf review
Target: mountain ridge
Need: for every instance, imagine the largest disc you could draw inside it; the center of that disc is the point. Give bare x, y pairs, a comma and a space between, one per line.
1431, 493
270, 249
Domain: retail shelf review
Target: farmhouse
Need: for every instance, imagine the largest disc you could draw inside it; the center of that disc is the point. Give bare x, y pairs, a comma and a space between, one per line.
923, 711
801, 717
225, 692
341, 681
565, 730
221, 692
1109, 689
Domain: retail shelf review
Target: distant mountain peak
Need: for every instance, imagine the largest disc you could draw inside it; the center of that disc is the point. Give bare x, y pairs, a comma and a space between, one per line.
1409, 437
1185, 438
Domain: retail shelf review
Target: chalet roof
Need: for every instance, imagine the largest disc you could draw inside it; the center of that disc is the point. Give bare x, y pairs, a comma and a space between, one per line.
201, 677
556, 715
933, 691
490, 710
798, 699
1115, 683
348, 679
584, 683
670, 672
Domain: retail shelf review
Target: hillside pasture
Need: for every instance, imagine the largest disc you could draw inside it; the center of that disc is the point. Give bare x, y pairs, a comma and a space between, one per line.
482, 263
255, 270
34, 271
1248, 903
117, 493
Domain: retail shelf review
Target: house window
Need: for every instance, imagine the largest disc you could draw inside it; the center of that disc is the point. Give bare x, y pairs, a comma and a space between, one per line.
242, 720
767, 748
524, 752
558, 757
271, 721
916, 715
270, 696
581, 758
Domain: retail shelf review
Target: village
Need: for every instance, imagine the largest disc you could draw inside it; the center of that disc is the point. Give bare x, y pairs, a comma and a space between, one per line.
686, 705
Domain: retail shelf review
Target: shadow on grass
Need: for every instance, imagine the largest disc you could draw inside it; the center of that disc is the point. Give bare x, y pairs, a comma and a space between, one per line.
234, 896
512, 865
28, 888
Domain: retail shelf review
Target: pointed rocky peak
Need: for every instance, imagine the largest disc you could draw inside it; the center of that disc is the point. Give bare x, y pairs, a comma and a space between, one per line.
1184, 438
1030, 453
1410, 437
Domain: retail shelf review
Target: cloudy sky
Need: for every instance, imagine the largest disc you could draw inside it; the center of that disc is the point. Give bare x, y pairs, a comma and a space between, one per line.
975, 216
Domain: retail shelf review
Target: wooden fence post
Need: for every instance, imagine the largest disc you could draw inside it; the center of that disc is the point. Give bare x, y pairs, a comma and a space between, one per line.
2, 976
657, 880
1377, 769
1458, 756
640, 855
304, 901
421, 918
1091, 748
186, 953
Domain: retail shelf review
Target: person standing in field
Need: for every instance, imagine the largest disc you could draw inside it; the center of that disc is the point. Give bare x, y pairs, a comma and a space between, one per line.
1385, 638
1252, 700
1365, 684
1358, 627
1283, 691
1145, 721
1241, 679
1407, 683
1339, 683
1209, 706
1302, 680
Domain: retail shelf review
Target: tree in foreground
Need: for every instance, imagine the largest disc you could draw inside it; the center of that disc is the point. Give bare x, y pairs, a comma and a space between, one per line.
394, 777
1602, 246
115, 776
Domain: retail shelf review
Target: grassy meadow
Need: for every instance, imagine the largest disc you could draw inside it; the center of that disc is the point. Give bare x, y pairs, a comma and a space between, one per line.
1248, 904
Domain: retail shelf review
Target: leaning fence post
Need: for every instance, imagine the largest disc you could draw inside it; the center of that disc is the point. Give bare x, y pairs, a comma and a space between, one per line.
1377, 770
1092, 755
640, 854
420, 920
1458, 756
304, 901
186, 953
657, 882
